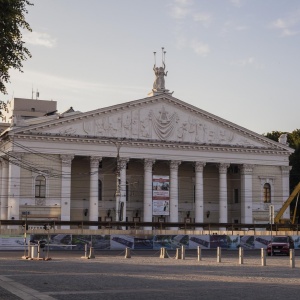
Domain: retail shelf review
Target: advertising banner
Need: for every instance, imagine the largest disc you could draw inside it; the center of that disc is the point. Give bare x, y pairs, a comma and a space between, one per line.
161, 195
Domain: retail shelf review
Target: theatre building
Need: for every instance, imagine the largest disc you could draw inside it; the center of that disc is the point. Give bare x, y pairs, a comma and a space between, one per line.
153, 159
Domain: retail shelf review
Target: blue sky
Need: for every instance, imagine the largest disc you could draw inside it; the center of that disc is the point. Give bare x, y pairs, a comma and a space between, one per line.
237, 59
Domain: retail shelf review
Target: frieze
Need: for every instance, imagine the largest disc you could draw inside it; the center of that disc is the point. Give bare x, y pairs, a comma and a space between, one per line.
151, 143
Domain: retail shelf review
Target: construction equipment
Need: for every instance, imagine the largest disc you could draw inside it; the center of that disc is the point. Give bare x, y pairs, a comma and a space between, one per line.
286, 204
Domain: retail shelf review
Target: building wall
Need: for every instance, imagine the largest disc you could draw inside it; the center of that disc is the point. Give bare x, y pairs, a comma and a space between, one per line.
50, 206
262, 175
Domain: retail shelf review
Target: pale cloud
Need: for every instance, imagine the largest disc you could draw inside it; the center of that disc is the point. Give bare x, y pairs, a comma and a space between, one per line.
204, 18
279, 23
237, 3
178, 12
241, 28
249, 61
184, 2
200, 48
230, 26
286, 26
181, 9
39, 39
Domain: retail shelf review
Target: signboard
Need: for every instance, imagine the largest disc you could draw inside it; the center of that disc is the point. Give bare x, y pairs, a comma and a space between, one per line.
161, 195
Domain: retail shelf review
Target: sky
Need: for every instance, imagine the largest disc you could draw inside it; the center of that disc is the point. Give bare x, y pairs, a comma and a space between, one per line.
237, 59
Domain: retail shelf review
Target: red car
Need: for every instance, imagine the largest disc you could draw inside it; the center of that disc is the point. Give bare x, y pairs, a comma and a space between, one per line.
280, 245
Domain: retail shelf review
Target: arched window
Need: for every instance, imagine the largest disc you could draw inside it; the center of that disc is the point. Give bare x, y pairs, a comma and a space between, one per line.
267, 193
40, 187
99, 190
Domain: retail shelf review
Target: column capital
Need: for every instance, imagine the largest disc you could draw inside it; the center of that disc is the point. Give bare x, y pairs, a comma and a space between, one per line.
223, 168
95, 161
285, 170
174, 164
123, 162
148, 163
199, 165
66, 159
247, 169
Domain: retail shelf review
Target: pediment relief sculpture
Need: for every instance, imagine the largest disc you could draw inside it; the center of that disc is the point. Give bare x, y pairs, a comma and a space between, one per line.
159, 119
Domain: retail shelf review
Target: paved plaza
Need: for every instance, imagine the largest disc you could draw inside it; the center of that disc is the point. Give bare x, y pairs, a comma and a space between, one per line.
146, 276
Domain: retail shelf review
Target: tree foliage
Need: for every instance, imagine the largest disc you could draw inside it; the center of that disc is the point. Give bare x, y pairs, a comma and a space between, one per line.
294, 142
12, 49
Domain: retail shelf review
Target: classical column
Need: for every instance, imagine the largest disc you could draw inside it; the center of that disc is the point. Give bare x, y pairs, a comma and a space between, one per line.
66, 188
148, 164
121, 190
223, 214
174, 164
285, 174
94, 179
199, 199
246, 194
14, 174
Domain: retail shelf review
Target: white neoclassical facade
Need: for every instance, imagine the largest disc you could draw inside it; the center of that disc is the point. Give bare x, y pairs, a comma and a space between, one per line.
101, 164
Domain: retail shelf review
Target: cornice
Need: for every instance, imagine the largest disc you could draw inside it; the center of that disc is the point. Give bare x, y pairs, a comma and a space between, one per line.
151, 144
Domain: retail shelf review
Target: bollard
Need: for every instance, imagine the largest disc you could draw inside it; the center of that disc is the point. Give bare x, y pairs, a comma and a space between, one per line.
38, 250
178, 254
182, 252
92, 253
199, 253
241, 255
163, 253
263, 257
292, 258
219, 254
85, 252
127, 253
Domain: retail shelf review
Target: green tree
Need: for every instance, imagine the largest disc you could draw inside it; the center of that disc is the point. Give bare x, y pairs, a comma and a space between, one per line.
12, 49
294, 142
294, 159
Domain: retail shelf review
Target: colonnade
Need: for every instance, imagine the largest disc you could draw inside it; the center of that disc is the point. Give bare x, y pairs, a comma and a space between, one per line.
10, 189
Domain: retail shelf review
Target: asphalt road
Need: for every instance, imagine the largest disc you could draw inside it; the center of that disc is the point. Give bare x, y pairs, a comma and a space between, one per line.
146, 276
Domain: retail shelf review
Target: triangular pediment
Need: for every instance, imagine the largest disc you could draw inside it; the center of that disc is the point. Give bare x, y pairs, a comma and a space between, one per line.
158, 118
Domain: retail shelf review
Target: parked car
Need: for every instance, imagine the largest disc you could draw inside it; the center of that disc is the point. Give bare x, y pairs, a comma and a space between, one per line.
280, 245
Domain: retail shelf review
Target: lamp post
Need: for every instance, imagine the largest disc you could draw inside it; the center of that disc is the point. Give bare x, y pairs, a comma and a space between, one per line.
25, 234
271, 215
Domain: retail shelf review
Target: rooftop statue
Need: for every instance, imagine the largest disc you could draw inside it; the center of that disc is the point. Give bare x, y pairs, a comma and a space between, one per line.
159, 82
160, 73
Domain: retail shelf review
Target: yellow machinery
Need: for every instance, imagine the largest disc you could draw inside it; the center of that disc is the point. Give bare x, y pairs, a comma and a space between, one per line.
278, 219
